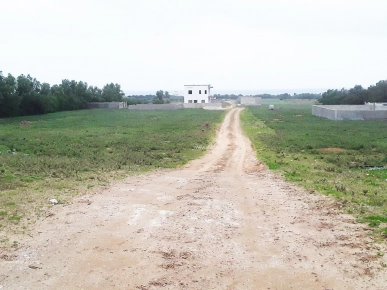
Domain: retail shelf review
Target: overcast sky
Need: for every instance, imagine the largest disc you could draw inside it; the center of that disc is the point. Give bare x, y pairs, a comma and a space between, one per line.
235, 45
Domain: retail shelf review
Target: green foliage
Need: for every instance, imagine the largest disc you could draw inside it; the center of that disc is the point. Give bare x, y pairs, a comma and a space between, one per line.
9, 100
373, 220
161, 97
324, 155
357, 95
112, 93
146, 99
27, 96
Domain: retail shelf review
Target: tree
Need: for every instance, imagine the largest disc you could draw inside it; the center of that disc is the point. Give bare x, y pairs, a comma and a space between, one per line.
95, 94
161, 97
356, 96
49, 102
112, 93
333, 97
28, 90
378, 92
9, 100
25, 95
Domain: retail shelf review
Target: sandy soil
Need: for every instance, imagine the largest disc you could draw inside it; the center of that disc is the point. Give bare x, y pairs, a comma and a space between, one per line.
222, 222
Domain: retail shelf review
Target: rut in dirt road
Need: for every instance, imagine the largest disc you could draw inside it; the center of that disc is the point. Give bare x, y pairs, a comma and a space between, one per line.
221, 222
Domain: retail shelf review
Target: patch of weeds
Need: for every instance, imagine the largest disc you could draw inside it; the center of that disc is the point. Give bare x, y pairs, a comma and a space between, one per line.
384, 232
273, 165
373, 220
15, 218
374, 223
4, 240
3, 212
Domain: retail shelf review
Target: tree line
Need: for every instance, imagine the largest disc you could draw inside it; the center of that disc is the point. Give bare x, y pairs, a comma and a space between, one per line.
287, 96
25, 95
270, 96
161, 97
356, 95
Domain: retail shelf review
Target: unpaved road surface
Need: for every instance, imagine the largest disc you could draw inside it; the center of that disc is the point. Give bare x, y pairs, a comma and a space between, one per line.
221, 222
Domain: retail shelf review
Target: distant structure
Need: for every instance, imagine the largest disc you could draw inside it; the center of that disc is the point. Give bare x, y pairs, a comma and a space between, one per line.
251, 101
107, 105
197, 94
368, 111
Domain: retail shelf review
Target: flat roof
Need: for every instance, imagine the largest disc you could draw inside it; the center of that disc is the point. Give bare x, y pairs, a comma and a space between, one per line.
195, 85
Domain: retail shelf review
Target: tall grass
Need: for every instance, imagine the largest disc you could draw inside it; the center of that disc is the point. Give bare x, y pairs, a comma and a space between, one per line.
332, 157
58, 155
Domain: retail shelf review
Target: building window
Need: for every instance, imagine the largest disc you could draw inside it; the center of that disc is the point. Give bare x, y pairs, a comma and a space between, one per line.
200, 92
195, 101
189, 101
205, 91
189, 92
203, 101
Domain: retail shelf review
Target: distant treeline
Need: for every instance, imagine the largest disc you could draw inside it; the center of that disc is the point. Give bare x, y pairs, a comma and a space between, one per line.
139, 99
286, 96
25, 95
160, 97
357, 95
269, 96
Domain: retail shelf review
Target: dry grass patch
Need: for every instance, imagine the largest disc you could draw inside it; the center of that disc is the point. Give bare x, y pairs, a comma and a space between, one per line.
331, 150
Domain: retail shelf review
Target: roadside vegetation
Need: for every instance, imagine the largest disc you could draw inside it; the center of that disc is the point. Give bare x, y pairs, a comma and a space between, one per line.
61, 155
345, 159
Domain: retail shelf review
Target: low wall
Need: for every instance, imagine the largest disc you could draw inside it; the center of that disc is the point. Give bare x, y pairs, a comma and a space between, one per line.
324, 112
349, 112
179, 106
193, 105
153, 107
107, 105
203, 105
361, 115
251, 101
348, 107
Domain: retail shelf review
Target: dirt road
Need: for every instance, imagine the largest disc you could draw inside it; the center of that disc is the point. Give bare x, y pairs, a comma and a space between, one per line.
221, 222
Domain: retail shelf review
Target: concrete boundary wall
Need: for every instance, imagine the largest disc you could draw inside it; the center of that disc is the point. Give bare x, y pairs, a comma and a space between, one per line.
203, 105
323, 112
361, 115
193, 105
251, 101
349, 112
181, 106
153, 107
107, 105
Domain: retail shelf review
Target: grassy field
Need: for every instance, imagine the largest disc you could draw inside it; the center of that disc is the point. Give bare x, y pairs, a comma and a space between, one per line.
62, 154
338, 158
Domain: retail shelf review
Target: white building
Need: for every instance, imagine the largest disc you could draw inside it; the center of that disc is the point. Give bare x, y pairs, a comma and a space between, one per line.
197, 93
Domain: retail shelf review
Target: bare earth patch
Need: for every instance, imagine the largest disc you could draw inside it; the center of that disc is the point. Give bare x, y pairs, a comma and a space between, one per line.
331, 150
222, 222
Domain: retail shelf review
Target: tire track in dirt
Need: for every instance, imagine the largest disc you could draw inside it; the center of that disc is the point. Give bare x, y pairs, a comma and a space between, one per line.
221, 222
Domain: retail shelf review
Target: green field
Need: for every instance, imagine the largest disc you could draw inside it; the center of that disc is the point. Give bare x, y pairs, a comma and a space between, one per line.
332, 157
63, 154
